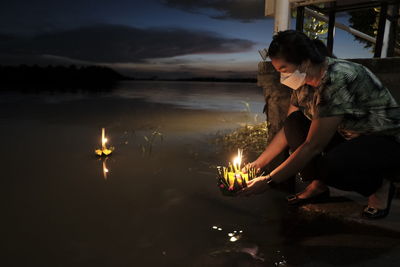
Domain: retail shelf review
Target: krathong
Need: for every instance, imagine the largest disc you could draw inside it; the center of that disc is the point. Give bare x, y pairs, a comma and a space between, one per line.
104, 151
231, 179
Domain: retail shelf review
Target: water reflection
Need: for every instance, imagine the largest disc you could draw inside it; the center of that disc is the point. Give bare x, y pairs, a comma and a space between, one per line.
235, 236
105, 169
200, 96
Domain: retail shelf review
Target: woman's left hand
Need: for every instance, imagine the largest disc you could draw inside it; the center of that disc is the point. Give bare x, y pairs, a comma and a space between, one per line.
256, 186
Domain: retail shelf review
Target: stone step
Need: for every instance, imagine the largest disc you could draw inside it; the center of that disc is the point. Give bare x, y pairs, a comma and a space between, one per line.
347, 206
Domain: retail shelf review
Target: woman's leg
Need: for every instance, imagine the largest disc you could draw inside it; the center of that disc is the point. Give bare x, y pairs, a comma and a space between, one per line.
357, 165
360, 164
296, 129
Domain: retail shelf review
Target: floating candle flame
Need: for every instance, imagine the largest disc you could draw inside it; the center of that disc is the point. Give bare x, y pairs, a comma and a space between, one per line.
103, 139
104, 151
231, 179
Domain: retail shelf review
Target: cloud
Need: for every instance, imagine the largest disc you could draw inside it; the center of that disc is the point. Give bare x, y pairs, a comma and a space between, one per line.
121, 44
243, 10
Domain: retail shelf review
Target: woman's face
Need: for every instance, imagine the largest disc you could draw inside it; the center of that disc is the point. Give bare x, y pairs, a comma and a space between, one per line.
283, 66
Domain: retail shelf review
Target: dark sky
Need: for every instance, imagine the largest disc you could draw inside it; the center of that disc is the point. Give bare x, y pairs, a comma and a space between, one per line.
167, 38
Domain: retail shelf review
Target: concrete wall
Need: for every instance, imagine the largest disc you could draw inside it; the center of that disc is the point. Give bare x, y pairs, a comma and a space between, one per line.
277, 96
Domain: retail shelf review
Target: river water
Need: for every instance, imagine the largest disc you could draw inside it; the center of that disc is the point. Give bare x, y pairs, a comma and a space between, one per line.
154, 202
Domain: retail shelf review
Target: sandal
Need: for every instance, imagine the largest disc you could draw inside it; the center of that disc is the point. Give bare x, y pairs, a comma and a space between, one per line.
295, 201
374, 213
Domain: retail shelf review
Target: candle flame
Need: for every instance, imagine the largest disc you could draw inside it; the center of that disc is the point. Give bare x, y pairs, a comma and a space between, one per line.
103, 138
237, 161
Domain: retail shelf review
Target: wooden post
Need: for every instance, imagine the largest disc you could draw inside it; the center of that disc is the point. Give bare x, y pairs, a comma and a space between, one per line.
394, 17
300, 18
331, 28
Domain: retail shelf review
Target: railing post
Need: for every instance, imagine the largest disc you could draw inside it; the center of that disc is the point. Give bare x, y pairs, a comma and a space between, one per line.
300, 18
331, 28
381, 29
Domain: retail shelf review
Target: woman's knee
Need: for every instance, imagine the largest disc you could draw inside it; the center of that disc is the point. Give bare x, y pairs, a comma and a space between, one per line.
295, 118
296, 128
342, 174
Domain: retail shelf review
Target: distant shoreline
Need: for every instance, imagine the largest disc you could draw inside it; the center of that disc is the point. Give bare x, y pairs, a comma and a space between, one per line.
199, 79
85, 78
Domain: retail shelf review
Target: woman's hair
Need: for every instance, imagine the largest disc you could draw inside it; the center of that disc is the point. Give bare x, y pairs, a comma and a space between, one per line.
323, 50
295, 47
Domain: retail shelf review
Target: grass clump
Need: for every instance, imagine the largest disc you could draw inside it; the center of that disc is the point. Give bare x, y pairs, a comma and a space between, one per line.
251, 137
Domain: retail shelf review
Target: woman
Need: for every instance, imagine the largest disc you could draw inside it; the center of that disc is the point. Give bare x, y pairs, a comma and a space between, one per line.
342, 128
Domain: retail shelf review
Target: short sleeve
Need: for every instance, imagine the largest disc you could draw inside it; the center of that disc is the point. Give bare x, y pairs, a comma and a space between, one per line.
293, 99
336, 97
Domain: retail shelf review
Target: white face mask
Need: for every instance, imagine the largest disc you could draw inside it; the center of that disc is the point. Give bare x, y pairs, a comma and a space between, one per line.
293, 80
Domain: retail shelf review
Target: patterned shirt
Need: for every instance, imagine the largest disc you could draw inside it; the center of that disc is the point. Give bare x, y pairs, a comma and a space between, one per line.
351, 90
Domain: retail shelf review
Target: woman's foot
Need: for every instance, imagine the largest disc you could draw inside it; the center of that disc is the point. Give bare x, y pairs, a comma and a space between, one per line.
315, 192
379, 203
315, 188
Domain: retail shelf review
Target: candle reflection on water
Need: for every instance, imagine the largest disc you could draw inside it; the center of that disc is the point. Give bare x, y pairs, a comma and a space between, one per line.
232, 236
105, 169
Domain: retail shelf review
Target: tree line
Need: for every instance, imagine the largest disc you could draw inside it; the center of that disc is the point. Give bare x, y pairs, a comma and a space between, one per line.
36, 77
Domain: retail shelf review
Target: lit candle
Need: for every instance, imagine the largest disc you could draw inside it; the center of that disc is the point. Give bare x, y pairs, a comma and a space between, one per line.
104, 151
231, 178
103, 139
238, 161
236, 164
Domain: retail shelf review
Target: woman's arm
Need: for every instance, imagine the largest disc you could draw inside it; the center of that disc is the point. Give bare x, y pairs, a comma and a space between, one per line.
277, 145
320, 133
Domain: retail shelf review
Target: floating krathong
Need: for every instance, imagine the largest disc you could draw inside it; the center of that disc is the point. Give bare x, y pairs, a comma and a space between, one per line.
231, 179
104, 151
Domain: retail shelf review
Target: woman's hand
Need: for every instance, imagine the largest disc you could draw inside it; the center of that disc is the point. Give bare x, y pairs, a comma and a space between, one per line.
253, 164
256, 186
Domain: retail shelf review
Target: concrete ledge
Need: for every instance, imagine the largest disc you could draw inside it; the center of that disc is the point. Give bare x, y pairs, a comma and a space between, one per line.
347, 206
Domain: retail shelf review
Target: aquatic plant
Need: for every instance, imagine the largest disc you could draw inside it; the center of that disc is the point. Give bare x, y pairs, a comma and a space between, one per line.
147, 148
247, 110
247, 106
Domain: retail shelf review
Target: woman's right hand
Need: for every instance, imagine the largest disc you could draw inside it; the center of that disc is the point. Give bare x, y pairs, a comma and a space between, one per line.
253, 164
